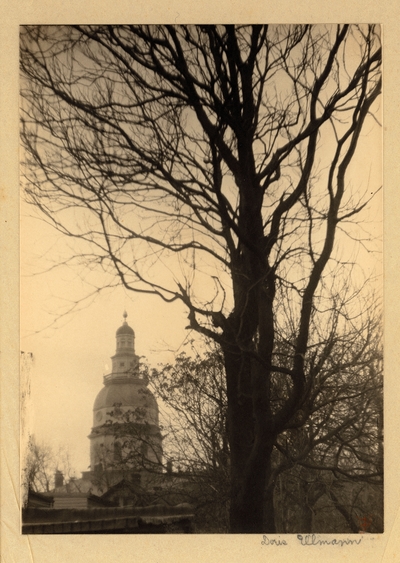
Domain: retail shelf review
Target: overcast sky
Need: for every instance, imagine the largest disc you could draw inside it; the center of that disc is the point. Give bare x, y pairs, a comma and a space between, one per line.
72, 354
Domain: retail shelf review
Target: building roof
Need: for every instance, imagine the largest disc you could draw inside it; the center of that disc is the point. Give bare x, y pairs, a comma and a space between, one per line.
36, 499
125, 329
133, 520
131, 393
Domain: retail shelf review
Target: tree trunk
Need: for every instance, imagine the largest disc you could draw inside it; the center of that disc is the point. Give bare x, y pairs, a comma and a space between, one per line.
252, 509
269, 510
247, 344
252, 506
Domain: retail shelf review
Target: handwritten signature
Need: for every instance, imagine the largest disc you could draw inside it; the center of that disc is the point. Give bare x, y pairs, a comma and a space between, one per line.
311, 539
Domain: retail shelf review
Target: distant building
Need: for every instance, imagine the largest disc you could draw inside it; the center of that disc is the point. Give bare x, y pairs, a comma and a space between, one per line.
39, 500
126, 489
125, 440
156, 519
125, 414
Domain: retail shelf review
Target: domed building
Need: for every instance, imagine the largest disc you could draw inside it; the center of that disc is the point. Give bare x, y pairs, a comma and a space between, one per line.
125, 430
126, 454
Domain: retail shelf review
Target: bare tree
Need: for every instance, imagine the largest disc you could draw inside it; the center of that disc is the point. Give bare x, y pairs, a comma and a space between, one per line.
41, 464
332, 456
193, 392
327, 460
335, 443
180, 155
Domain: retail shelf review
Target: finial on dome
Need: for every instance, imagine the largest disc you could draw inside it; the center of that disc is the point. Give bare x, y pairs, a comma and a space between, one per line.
125, 314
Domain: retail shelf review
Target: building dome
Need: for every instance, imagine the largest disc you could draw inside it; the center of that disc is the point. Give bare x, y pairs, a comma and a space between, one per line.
125, 329
132, 394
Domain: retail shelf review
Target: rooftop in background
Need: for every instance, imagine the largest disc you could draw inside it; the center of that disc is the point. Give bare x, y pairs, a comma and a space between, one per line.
119, 520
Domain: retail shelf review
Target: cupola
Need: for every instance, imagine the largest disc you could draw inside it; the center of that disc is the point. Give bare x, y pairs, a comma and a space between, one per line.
125, 363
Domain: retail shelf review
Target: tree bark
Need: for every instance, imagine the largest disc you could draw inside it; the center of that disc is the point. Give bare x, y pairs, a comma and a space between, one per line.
252, 508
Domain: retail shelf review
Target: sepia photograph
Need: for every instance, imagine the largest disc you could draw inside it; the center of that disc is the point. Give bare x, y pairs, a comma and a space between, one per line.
202, 280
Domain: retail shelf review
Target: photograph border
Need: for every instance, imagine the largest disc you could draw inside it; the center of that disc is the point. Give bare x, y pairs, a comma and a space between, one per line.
43, 549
